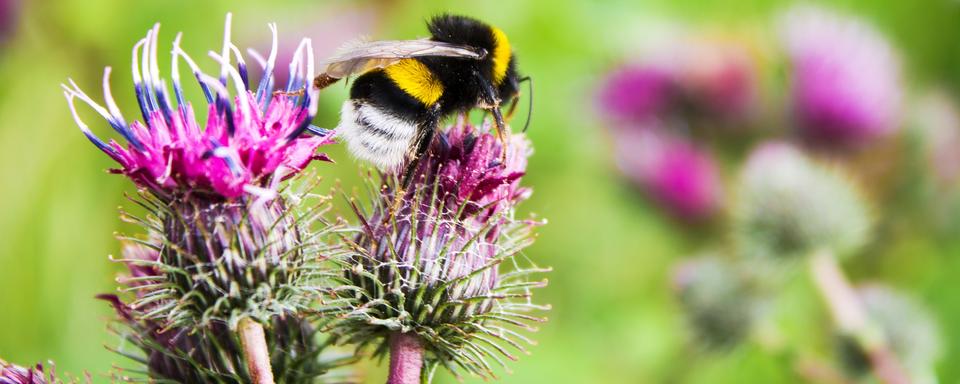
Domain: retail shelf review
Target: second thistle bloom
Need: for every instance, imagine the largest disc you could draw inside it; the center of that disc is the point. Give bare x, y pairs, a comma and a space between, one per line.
424, 269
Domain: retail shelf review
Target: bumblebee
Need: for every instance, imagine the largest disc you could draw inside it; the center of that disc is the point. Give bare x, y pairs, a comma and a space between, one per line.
405, 88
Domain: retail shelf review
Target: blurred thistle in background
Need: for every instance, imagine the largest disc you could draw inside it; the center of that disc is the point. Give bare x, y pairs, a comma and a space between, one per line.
845, 85
673, 171
788, 207
911, 330
9, 17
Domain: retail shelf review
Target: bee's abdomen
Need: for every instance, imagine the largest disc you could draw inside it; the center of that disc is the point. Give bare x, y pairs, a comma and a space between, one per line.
375, 134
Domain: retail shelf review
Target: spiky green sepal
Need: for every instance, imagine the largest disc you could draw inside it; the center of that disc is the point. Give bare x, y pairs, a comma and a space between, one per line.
221, 261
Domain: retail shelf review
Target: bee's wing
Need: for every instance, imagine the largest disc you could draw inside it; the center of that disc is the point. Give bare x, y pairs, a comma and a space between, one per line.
364, 56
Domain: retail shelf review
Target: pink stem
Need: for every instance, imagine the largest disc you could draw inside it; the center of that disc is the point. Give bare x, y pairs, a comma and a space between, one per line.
852, 318
406, 358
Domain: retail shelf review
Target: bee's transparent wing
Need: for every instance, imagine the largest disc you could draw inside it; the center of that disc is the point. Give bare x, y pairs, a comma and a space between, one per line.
367, 55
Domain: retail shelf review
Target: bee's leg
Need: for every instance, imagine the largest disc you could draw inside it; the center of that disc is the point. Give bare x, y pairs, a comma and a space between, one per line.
493, 103
501, 131
425, 133
298, 92
324, 80
513, 108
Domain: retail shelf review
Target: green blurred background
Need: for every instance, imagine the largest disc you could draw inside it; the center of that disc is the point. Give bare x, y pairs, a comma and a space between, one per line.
613, 319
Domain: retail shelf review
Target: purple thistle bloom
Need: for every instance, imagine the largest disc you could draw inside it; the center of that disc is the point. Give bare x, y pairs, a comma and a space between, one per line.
14, 374
846, 78
636, 94
674, 172
252, 140
427, 263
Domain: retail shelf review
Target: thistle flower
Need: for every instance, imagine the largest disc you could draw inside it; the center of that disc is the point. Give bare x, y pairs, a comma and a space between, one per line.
214, 355
232, 255
787, 206
716, 299
675, 173
908, 328
251, 141
15, 374
718, 77
846, 78
422, 276
636, 94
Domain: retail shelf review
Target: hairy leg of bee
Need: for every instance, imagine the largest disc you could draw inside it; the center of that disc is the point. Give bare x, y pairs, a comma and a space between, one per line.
513, 108
501, 131
426, 131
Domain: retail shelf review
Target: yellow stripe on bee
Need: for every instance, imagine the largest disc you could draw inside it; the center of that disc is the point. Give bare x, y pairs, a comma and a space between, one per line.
501, 55
414, 78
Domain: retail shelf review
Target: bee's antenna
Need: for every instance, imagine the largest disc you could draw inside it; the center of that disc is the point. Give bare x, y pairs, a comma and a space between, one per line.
529, 102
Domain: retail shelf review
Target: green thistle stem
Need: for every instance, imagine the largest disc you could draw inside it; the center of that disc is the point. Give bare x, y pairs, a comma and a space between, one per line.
851, 318
406, 358
255, 351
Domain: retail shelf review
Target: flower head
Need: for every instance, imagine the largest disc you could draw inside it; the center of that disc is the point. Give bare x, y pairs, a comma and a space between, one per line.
15, 374
788, 206
716, 298
252, 139
846, 78
718, 76
427, 262
675, 173
636, 94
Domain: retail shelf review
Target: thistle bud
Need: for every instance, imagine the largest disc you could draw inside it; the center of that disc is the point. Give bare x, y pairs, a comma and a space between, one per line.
435, 269
716, 299
788, 206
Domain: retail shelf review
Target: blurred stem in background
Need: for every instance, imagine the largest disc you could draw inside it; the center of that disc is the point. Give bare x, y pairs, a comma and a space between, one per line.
852, 319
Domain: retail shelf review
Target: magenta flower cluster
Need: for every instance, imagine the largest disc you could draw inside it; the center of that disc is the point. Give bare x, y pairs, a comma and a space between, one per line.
252, 138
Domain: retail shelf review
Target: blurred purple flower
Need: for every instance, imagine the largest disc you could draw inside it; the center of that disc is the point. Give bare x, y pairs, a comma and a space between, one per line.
635, 94
14, 374
718, 76
677, 174
9, 17
252, 140
846, 78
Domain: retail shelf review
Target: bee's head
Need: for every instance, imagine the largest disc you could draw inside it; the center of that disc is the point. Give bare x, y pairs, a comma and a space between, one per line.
498, 64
